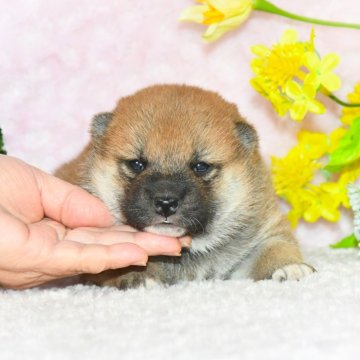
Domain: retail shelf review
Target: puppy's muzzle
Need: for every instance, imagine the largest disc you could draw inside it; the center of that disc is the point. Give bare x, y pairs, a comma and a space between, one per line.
171, 205
165, 195
166, 206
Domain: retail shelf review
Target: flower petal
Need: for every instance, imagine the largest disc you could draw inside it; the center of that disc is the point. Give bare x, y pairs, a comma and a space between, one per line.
232, 7
313, 80
312, 60
335, 137
194, 13
298, 110
212, 33
316, 107
331, 82
293, 90
315, 145
289, 37
216, 30
260, 50
329, 62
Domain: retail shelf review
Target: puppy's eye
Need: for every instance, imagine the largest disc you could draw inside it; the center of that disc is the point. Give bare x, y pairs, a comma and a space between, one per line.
201, 168
137, 165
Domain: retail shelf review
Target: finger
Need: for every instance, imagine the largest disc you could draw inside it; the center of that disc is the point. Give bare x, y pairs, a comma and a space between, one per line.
125, 228
151, 243
72, 258
69, 204
56, 255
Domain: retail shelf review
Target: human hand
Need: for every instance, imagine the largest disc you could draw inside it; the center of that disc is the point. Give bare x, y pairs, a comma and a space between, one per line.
50, 229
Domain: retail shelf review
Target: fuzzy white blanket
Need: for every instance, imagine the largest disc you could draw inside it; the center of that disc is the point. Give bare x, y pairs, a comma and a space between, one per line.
316, 318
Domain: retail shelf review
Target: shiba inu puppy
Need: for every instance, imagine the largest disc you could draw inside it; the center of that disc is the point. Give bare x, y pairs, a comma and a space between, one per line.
177, 160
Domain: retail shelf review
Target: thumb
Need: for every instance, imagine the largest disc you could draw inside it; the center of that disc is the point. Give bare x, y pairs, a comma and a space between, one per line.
71, 205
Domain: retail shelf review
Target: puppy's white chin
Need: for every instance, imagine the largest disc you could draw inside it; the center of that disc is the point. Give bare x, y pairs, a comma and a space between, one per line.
166, 230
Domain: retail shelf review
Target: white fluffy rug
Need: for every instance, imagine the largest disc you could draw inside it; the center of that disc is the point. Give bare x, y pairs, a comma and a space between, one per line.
316, 318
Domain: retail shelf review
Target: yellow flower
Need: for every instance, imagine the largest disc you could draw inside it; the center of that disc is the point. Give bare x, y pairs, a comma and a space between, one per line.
314, 145
224, 15
293, 176
337, 191
350, 114
322, 204
321, 71
282, 76
311, 203
335, 137
293, 172
280, 103
303, 100
298, 207
291, 73
281, 63
220, 16
350, 173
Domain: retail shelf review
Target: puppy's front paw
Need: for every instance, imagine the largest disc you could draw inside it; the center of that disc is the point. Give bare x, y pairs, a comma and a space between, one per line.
292, 272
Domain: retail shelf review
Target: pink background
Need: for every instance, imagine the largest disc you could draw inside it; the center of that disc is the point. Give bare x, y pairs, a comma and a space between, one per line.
62, 61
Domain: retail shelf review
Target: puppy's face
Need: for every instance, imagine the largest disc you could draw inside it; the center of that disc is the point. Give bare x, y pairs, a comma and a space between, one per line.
173, 160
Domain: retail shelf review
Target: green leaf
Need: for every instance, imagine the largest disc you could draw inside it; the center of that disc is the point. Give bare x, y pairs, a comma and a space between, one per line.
347, 242
348, 150
2, 150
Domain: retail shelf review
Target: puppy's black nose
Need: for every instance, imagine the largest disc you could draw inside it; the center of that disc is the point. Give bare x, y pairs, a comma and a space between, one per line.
166, 206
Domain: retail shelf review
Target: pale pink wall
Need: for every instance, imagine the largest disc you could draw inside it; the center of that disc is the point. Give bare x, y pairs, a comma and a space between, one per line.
64, 60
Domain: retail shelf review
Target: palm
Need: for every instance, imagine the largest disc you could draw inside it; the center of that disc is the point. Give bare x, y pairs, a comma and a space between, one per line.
79, 238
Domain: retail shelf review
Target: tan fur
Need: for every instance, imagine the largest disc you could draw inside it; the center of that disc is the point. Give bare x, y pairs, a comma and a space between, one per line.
73, 171
275, 256
169, 125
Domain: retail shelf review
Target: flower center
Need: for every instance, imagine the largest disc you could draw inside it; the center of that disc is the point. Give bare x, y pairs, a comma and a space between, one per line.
212, 16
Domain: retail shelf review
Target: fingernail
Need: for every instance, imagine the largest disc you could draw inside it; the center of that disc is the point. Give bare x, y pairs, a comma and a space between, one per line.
174, 254
186, 242
140, 263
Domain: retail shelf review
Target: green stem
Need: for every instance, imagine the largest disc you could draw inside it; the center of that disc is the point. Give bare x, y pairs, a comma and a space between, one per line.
266, 6
343, 103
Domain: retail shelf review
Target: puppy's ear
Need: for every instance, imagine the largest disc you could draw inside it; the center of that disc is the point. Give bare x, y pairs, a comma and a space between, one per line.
99, 124
247, 136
